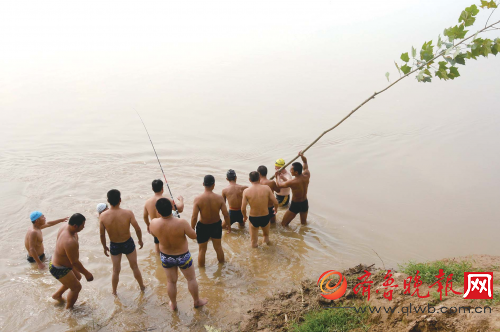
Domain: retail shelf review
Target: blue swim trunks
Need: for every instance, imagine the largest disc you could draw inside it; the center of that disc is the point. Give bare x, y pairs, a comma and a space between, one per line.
183, 261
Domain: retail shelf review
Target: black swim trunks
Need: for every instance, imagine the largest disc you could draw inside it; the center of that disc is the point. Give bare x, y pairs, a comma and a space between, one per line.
183, 261
297, 207
259, 221
126, 247
32, 260
206, 231
283, 200
236, 216
58, 271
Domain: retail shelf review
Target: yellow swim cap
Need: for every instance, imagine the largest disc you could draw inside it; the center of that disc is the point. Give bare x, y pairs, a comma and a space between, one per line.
279, 163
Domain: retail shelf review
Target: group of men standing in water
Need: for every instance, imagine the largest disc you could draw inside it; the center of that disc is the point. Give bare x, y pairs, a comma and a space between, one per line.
170, 230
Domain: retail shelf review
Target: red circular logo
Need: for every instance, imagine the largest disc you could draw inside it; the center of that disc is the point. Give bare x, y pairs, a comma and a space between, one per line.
329, 292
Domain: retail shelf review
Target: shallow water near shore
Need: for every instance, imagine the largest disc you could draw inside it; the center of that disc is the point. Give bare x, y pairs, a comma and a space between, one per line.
413, 175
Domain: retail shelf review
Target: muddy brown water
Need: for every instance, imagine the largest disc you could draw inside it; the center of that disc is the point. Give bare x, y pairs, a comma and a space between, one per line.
411, 176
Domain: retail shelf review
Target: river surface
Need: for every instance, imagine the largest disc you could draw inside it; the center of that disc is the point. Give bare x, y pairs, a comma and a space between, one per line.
414, 175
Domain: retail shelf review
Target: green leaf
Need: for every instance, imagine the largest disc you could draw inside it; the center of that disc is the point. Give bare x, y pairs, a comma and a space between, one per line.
420, 76
453, 73
427, 72
490, 4
427, 79
405, 69
399, 70
413, 52
460, 59
494, 50
456, 32
440, 42
427, 51
467, 16
457, 52
405, 57
387, 76
442, 74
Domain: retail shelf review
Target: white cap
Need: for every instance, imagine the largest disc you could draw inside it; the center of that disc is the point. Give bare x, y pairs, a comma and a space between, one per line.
101, 207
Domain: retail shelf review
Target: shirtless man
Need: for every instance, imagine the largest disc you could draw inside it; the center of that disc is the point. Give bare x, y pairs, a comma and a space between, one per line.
233, 194
117, 222
174, 251
283, 195
209, 205
65, 265
258, 196
33, 241
299, 186
262, 170
150, 210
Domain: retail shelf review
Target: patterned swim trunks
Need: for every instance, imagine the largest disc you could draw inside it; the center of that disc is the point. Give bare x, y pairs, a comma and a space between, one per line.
183, 261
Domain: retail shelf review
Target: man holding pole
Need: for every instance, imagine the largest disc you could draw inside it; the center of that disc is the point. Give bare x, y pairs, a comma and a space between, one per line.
299, 186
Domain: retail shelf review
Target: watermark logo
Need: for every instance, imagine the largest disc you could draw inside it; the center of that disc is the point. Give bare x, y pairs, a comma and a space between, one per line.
478, 285
332, 292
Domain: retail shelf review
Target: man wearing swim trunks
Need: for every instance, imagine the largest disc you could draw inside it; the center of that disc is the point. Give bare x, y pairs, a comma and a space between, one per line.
209, 205
65, 265
299, 186
258, 196
150, 210
174, 251
233, 194
262, 170
33, 241
116, 221
283, 195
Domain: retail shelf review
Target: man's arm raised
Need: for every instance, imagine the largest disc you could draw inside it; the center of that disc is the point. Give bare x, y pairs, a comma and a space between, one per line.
305, 166
55, 222
102, 231
72, 251
196, 210
280, 184
137, 228
180, 206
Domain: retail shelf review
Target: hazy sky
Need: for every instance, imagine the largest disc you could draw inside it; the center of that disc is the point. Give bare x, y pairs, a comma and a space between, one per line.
243, 55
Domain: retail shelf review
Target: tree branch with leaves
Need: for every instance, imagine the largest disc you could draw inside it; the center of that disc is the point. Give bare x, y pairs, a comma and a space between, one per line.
454, 47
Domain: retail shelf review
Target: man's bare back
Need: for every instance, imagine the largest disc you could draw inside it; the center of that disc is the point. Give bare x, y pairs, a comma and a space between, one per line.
259, 198
171, 232
233, 193
117, 222
209, 205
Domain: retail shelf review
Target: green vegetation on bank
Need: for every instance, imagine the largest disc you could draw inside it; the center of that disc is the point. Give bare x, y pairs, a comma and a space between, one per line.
429, 271
331, 320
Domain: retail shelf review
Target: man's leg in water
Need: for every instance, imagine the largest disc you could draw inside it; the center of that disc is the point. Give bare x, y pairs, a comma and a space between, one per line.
117, 266
132, 260
172, 276
190, 276
287, 218
273, 219
254, 235
58, 295
303, 218
201, 253
218, 249
265, 230
70, 282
